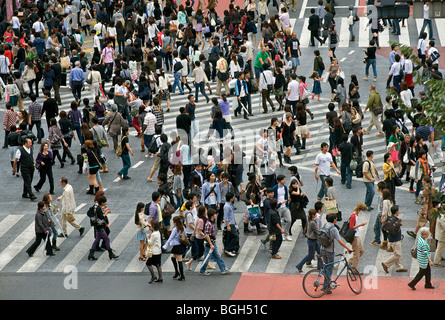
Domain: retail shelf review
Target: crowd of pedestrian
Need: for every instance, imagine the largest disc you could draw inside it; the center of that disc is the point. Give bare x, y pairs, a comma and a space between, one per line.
143, 51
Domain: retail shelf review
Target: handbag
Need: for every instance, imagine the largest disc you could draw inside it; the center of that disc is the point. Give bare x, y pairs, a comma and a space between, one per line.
65, 62
254, 214
184, 240
377, 110
168, 210
70, 217
330, 207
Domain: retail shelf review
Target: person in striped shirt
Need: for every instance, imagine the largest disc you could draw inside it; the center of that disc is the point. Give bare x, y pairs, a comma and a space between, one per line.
424, 260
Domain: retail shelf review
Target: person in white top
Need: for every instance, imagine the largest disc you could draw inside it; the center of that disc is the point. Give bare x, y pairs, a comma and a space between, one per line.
16, 24
68, 207
38, 26
432, 53
427, 21
266, 83
396, 72
293, 92
323, 163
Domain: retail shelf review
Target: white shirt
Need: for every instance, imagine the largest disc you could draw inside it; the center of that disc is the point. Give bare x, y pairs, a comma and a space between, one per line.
422, 45
408, 66
280, 194
395, 69
38, 26
430, 51
324, 163
15, 23
18, 154
294, 88
426, 12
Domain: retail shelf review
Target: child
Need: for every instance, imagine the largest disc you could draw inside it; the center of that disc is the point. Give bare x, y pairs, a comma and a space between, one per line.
378, 223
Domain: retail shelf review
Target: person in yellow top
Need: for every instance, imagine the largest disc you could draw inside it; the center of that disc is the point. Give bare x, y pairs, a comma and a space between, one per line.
389, 171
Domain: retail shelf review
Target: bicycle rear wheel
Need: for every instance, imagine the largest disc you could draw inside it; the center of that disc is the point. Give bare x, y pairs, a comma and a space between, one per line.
313, 283
354, 280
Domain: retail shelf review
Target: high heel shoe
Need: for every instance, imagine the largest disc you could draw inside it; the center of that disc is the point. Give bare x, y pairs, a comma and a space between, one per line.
176, 275
181, 278
154, 279
159, 280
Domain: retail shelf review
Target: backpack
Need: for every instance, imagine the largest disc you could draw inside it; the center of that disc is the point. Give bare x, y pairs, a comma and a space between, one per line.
346, 232
120, 148
324, 236
392, 225
91, 213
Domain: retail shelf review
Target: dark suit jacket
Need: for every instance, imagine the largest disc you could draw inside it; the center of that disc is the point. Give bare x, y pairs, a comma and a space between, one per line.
314, 22
328, 20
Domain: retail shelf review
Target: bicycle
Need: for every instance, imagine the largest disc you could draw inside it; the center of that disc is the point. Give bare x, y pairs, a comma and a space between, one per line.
317, 283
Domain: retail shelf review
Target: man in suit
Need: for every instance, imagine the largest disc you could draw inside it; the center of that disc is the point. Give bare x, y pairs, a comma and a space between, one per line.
328, 21
314, 26
25, 156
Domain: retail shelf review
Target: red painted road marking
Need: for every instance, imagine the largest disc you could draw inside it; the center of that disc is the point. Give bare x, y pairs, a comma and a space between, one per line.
262, 286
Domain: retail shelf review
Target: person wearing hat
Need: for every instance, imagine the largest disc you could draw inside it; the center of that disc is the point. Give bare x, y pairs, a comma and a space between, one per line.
266, 86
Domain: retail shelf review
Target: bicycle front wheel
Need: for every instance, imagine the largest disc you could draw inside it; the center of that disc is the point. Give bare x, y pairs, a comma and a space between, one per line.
313, 283
354, 280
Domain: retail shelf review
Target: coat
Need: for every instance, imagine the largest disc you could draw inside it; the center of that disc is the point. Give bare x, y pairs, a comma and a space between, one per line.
114, 126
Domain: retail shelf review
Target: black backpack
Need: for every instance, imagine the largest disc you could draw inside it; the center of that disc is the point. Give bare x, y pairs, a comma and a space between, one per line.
392, 225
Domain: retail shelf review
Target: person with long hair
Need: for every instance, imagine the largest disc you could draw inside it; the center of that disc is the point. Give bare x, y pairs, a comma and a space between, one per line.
93, 166
289, 136
178, 248
49, 212
199, 235
154, 245
99, 222
56, 139
44, 163
296, 204
312, 242
142, 226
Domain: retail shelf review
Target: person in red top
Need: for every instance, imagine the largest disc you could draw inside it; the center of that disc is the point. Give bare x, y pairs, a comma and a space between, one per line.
357, 245
8, 52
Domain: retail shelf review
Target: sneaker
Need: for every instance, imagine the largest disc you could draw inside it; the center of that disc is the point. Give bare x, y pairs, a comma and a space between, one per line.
205, 273
289, 238
225, 271
277, 256
228, 253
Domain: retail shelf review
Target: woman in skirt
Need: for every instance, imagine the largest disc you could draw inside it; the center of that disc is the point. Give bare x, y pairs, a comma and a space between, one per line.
178, 248
154, 252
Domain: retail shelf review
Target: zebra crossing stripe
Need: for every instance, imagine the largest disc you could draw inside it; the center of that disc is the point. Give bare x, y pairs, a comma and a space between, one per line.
8, 222
33, 264
17, 246
344, 33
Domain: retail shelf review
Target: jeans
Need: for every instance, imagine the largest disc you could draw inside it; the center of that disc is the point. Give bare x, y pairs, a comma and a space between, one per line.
313, 246
328, 257
345, 169
377, 228
370, 191
372, 62
126, 165
351, 30
76, 126
215, 255
200, 86
147, 140
429, 23
38, 125
177, 83
323, 189
396, 26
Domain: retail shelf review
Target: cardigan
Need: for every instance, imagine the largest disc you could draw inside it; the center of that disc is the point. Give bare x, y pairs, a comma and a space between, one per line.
286, 194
